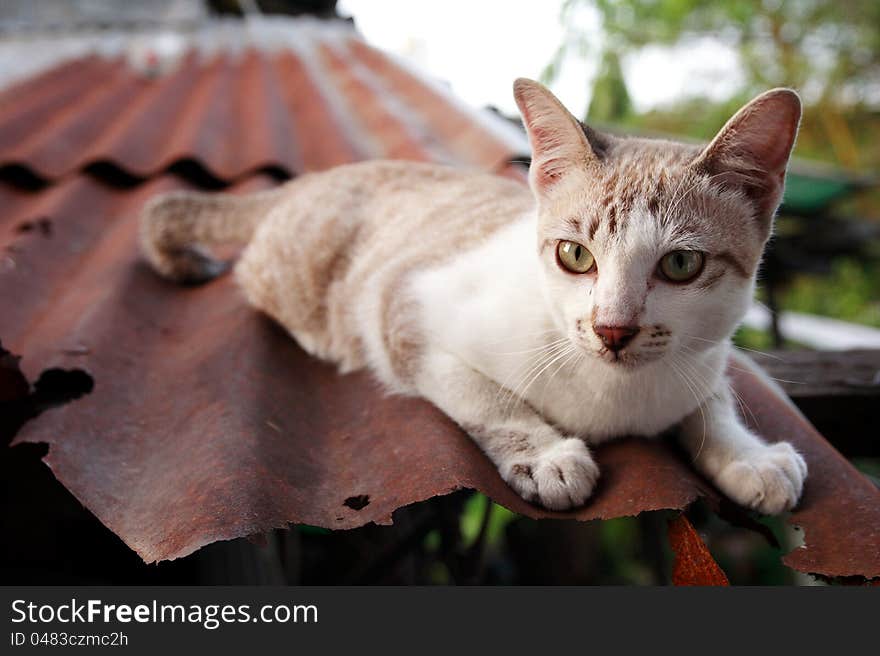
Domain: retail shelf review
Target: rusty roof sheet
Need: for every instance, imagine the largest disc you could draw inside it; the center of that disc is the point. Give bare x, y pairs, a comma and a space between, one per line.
206, 421
238, 113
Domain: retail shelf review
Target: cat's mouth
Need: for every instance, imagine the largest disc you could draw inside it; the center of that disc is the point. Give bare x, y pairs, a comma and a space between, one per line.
627, 358
624, 358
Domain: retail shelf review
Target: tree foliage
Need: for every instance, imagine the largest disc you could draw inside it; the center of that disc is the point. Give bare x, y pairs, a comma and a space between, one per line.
829, 50
610, 100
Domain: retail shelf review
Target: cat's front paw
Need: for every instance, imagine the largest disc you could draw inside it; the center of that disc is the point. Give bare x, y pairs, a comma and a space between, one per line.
560, 476
768, 479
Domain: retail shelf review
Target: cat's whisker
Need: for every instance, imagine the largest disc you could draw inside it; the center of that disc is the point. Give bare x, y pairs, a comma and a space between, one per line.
526, 335
740, 400
573, 355
693, 391
563, 354
760, 352
764, 373
506, 393
702, 339
740, 369
538, 367
775, 356
531, 350
522, 393
743, 406
503, 387
681, 376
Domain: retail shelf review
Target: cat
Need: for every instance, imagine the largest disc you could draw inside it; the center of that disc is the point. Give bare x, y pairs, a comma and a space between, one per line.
597, 302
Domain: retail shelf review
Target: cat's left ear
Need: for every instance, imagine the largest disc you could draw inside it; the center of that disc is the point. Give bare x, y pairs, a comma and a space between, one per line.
751, 152
559, 142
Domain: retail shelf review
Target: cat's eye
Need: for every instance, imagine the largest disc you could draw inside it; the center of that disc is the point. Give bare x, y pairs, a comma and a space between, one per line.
681, 266
574, 257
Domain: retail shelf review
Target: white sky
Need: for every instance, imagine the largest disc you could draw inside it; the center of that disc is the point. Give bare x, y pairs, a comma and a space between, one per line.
481, 46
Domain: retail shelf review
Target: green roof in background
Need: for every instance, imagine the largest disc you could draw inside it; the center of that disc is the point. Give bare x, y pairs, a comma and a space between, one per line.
809, 193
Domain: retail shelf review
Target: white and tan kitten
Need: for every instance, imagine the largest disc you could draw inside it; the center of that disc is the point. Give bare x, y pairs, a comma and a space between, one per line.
598, 304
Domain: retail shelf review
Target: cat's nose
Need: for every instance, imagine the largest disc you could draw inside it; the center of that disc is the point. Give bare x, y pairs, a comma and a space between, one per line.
616, 337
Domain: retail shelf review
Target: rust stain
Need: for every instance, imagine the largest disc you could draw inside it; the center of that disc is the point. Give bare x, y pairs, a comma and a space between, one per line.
693, 564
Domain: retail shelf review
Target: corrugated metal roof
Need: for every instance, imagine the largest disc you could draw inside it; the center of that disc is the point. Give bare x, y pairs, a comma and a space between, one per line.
205, 420
237, 113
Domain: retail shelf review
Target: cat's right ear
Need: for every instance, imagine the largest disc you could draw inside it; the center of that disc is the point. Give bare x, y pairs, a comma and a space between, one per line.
751, 152
559, 143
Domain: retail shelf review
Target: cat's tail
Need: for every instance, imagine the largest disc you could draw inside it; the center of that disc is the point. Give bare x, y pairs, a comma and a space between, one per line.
178, 228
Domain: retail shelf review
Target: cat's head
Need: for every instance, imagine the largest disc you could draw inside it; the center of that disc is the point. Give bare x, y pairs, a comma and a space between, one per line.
650, 248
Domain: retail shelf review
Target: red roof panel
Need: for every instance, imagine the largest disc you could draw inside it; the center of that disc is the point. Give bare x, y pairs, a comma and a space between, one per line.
239, 113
